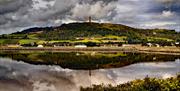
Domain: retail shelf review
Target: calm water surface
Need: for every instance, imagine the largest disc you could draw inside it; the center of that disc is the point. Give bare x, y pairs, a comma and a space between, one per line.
21, 76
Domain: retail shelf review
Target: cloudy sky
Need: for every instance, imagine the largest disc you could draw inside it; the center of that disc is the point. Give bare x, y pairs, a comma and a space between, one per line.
16, 15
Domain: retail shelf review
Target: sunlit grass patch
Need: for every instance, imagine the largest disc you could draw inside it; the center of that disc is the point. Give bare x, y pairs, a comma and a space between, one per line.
2, 41
158, 38
113, 36
27, 41
56, 41
88, 40
9, 41
32, 36
41, 42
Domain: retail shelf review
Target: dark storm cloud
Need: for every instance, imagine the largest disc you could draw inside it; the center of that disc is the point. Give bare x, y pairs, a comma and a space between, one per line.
19, 14
7, 6
11, 14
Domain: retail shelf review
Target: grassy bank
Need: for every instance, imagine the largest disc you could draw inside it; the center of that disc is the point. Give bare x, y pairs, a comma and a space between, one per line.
136, 49
147, 84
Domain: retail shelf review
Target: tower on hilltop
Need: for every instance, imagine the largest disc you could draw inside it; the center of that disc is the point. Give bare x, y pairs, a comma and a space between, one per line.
90, 19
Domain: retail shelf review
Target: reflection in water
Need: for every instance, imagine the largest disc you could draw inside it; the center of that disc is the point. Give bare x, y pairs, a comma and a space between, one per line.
87, 60
20, 76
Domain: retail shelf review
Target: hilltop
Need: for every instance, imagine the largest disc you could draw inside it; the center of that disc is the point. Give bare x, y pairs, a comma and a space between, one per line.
96, 32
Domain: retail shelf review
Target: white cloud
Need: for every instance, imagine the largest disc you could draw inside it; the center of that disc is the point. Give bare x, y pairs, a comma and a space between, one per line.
15, 14
98, 10
167, 14
38, 4
159, 24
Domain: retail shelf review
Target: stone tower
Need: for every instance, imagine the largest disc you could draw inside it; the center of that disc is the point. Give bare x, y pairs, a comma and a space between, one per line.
90, 19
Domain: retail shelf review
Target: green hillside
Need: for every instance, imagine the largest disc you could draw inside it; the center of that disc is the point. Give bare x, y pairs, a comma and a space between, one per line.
90, 32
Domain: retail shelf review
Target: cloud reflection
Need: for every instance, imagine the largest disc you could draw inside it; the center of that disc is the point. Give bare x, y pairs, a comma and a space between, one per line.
20, 76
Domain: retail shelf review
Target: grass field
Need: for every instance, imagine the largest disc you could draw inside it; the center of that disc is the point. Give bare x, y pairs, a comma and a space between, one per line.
157, 38
27, 41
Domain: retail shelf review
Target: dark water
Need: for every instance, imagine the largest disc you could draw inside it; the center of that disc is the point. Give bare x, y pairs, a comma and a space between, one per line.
69, 71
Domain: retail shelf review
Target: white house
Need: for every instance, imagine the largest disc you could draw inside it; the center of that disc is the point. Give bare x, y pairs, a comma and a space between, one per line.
40, 46
157, 45
14, 46
149, 44
80, 46
177, 43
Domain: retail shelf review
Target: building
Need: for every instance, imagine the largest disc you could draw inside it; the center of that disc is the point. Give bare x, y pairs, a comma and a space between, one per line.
157, 45
147, 44
177, 43
13, 46
80, 46
40, 46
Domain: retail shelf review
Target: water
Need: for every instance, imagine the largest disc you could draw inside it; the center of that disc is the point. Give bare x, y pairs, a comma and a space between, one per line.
22, 76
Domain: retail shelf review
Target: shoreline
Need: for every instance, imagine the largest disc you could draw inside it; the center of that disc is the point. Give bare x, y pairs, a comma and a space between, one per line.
138, 49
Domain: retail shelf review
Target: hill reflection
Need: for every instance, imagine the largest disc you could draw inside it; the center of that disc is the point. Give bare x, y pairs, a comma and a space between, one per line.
86, 60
